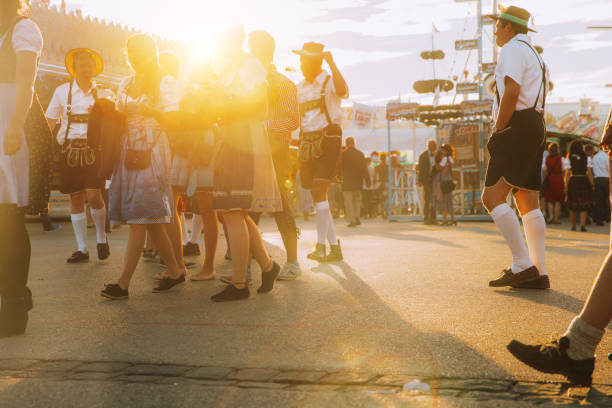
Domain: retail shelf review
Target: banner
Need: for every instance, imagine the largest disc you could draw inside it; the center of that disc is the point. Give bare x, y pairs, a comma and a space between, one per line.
363, 115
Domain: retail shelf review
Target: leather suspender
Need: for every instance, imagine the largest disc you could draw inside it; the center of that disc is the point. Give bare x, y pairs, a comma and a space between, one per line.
323, 103
69, 112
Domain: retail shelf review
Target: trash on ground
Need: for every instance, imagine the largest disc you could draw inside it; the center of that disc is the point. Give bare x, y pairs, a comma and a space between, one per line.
416, 385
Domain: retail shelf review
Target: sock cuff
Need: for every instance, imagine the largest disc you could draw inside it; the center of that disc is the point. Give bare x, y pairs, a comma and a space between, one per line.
78, 217
584, 329
537, 213
99, 211
323, 205
500, 211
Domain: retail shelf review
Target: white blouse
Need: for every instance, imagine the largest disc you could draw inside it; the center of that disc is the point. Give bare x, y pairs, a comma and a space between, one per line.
26, 37
169, 93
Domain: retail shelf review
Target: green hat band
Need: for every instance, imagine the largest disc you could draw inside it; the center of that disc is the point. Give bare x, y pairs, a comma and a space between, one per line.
514, 19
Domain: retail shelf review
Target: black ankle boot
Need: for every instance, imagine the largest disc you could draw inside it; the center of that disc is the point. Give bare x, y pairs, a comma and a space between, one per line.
268, 278
335, 253
14, 315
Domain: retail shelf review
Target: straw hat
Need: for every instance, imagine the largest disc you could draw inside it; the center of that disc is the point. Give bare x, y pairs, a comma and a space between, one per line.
70, 56
311, 49
514, 15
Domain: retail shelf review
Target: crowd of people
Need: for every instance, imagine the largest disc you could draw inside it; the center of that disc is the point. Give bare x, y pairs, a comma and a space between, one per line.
223, 138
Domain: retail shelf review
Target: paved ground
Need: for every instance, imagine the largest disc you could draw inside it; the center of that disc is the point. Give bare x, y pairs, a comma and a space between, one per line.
410, 302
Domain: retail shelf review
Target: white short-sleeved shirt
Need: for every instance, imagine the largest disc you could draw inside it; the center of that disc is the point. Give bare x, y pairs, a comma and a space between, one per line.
519, 62
26, 37
315, 120
82, 101
169, 94
601, 164
445, 160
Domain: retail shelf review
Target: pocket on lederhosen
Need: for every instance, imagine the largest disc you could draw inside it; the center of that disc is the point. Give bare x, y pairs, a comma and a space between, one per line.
311, 146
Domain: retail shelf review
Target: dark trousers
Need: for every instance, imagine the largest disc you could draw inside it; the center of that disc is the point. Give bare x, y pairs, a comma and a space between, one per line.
367, 208
429, 211
14, 253
601, 212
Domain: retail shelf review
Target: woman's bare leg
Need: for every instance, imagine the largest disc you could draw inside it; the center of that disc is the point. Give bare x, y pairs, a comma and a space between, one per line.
175, 233
159, 235
583, 218
257, 246
134, 247
211, 234
573, 218
238, 237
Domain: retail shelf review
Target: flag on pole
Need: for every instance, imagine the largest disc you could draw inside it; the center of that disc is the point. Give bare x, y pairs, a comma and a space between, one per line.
434, 29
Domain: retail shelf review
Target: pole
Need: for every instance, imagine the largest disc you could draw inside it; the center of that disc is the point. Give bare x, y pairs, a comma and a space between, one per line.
432, 58
480, 97
389, 172
494, 42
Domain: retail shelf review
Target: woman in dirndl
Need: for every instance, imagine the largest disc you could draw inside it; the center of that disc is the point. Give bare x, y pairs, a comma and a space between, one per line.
580, 195
140, 191
191, 174
20, 47
244, 177
442, 180
554, 193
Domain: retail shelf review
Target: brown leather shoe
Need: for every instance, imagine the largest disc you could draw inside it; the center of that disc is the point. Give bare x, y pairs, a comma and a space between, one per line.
508, 278
541, 283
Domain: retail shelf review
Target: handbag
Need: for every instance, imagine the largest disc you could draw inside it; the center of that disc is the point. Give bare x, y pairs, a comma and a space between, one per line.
139, 159
447, 186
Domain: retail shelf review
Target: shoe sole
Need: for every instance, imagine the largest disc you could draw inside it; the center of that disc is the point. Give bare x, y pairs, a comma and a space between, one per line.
288, 278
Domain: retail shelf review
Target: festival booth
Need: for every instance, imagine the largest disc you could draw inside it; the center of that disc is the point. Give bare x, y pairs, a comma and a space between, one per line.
464, 126
566, 122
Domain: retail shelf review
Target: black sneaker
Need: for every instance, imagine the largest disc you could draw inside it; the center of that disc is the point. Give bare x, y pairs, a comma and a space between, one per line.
113, 291
552, 358
268, 278
103, 251
78, 257
230, 293
168, 283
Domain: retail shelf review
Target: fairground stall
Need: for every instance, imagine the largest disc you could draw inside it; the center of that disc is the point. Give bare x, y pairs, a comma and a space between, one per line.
465, 127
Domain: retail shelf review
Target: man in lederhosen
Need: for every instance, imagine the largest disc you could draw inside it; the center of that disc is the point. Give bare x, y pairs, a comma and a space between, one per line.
516, 147
71, 103
320, 95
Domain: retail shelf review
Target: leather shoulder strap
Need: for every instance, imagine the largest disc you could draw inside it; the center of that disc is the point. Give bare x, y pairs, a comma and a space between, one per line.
323, 102
543, 67
69, 112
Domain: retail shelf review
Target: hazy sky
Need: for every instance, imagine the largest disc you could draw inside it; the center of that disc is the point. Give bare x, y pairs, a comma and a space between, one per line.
377, 42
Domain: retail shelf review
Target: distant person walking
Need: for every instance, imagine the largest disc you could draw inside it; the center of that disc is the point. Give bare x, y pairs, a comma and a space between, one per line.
579, 176
554, 193
354, 174
444, 184
426, 171
601, 177
516, 148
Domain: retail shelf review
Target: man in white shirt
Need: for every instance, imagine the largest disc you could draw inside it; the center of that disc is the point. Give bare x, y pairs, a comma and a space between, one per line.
71, 104
516, 148
320, 95
601, 176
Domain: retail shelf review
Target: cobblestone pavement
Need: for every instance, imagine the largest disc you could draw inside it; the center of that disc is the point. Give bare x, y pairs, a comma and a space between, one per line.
459, 390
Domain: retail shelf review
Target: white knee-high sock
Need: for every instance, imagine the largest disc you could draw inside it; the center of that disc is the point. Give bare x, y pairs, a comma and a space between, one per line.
196, 228
508, 224
185, 234
99, 218
331, 229
79, 224
535, 232
322, 216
